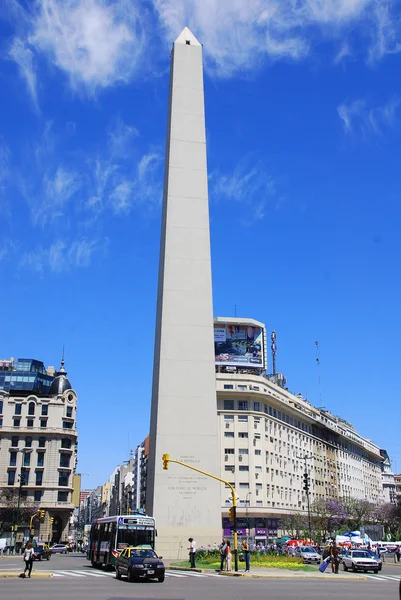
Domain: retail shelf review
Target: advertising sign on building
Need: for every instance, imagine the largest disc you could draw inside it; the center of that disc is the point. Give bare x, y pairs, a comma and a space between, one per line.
237, 345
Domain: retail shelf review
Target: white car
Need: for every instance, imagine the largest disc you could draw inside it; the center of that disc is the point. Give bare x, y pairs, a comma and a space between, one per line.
308, 554
360, 560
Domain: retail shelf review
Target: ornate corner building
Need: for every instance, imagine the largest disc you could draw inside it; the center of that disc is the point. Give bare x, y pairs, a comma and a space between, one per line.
38, 448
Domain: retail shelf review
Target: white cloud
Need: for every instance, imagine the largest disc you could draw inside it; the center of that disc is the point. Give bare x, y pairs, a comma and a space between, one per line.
61, 256
358, 117
23, 56
252, 186
239, 34
97, 43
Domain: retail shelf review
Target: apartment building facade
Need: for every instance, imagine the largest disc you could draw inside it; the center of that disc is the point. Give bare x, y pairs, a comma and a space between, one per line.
38, 445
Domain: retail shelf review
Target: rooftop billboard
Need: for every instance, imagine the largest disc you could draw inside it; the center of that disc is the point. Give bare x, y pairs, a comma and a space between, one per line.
237, 345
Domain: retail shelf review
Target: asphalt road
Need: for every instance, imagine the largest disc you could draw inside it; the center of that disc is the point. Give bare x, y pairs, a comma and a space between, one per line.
73, 577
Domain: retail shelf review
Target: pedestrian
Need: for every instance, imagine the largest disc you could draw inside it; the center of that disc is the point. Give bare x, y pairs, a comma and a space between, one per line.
192, 552
228, 556
397, 553
334, 558
222, 549
28, 558
247, 554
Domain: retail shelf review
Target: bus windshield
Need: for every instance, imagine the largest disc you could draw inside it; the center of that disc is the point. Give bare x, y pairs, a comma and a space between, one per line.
134, 537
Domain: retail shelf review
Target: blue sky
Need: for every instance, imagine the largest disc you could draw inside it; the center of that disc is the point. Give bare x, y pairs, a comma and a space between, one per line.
303, 108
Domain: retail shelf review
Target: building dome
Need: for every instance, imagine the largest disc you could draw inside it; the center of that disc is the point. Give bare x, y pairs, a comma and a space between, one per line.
60, 383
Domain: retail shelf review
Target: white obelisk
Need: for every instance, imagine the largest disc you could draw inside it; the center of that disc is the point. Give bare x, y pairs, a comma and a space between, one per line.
184, 413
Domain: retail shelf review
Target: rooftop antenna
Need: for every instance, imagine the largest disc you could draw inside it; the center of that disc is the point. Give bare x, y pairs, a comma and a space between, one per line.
274, 351
318, 370
235, 310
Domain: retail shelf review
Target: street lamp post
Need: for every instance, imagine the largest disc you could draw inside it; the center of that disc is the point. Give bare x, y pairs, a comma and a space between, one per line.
247, 514
16, 516
306, 489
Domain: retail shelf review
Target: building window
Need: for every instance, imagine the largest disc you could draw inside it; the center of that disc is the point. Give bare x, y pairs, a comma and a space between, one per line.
13, 459
229, 468
229, 434
256, 406
1, 422
62, 497
242, 387
27, 459
65, 460
229, 451
69, 412
65, 443
228, 404
14, 441
18, 409
45, 410
39, 477
63, 479
243, 451
11, 477
228, 387
43, 423
41, 459
242, 434
243, 419
244, 485
37, 496
229, 418
29, 422
17, 422
67, 425
42, 442
257, 452
31, 409
243, 405
1, 407
28, 442
243, 468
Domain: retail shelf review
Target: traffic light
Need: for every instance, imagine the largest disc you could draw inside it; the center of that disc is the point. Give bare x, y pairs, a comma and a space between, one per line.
166, 458
231, 513
306, 482
41, 514
23, 477
51, 520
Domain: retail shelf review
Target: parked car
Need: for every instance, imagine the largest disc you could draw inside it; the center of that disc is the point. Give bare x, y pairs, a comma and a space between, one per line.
360, 560
42, 551
139, 563
59, 548
308, 554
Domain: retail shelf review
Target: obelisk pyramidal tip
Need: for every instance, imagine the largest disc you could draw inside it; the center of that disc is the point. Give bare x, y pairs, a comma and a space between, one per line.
187, 37
184, 409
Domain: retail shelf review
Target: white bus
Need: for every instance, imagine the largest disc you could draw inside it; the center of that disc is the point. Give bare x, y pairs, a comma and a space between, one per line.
110, 535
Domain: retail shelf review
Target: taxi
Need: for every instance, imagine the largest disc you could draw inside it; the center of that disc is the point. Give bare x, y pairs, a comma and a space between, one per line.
139, 562
42, 551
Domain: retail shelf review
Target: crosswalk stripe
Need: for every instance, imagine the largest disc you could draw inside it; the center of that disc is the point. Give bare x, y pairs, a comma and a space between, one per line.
90, 574
381, 578
391, 577
57, 575
174, 575
71, 573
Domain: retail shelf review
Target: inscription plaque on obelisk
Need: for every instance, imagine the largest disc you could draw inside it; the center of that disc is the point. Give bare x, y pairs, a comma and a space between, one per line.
184, 413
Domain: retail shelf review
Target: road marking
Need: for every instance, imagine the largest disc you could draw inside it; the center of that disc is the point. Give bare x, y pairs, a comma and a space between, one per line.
69, 573
92, 574
174, 575
382, 578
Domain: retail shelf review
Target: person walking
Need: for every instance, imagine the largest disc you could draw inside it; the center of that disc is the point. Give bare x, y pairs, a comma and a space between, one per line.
228, 556
398, 553
222, 549
334, 558
28, 558
247, 555
192, 552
